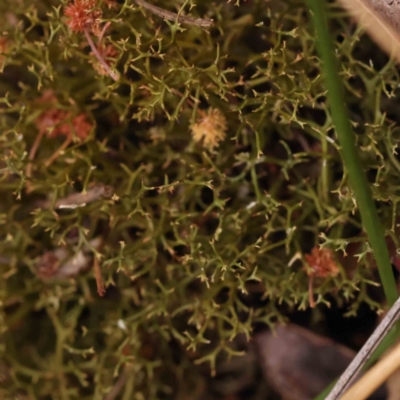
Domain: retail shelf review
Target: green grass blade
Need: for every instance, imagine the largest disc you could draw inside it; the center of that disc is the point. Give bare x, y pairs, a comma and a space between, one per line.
352, 163
349, 153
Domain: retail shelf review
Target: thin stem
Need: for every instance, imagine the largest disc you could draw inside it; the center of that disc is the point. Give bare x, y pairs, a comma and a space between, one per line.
175, 17
375, 377
100, 58
103, 31
66, 143
32, 153
31, 156
363, 355
119, 385
101, 290
351, 159
310, 291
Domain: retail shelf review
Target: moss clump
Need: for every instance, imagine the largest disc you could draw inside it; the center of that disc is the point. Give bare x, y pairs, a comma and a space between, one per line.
194, 243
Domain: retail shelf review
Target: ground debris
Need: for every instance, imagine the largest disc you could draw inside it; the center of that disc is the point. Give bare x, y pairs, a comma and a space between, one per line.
60, 264
300, 364
76, 200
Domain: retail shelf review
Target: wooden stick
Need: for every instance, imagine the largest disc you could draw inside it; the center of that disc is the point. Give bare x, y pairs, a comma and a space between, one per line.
103, 31
375, 376
363, 355
374, 16
170, 16
66, 143
310, 291
32, 152
100, 58
116, 389
101, 290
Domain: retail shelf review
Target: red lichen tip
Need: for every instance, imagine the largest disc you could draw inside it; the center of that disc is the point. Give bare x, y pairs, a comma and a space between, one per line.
56, 122
3, 48
83, 16
321, 262
82, 126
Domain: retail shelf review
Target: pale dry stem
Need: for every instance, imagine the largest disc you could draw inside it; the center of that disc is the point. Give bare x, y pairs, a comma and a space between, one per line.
170, 16
101, 290
66, 143
114, 75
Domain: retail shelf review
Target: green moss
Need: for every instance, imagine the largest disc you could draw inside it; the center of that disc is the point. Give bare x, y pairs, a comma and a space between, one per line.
198, 246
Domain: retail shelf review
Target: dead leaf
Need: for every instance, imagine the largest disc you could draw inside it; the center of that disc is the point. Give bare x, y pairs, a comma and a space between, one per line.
299, 364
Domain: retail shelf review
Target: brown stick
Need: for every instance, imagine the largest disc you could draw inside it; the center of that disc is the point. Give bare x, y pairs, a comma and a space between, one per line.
101, 60
114, 392
350, 374
310, 291
103, 31
66, 143
170, 16
375, 377
379, 18
101, 290
32, 153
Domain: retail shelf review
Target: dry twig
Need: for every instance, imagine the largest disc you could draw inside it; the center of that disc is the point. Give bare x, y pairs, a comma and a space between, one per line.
116, 389
363, 355
113, 74
375, 377
170, 16
374, 17
84, 16
60, 264
101, 290
76, 200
